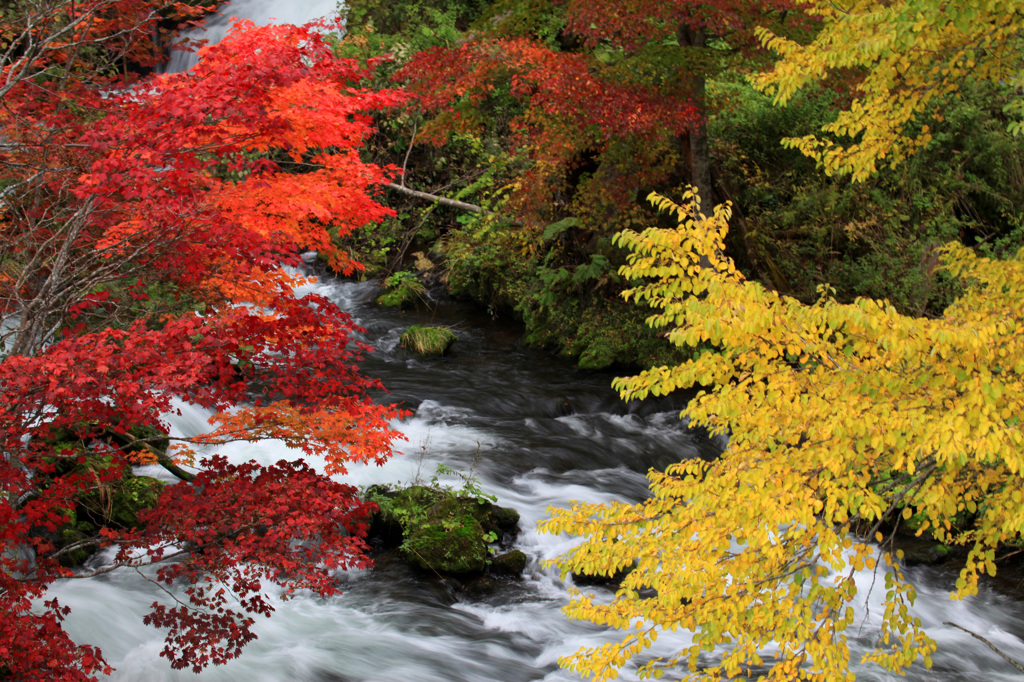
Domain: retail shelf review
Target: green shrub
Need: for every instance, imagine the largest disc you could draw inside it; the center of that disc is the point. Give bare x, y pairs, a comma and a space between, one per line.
401, 289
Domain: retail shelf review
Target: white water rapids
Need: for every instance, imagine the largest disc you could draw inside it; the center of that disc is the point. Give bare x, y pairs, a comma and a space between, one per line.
546, 434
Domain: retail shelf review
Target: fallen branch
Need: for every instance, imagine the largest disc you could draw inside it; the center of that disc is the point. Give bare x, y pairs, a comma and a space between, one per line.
989, 644
444, 201
164, 460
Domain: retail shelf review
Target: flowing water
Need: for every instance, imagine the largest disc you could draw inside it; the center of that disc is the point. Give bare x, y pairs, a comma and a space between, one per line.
536, 432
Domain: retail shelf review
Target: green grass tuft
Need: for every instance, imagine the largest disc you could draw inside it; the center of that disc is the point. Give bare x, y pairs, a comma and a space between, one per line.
428, 340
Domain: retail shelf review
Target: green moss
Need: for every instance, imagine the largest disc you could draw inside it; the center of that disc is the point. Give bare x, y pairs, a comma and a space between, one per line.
447, 543
77, 557
510, 563
506, 520
437, 529
428, 340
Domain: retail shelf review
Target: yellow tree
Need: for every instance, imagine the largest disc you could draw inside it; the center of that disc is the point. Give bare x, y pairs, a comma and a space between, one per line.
842, 419
905, 55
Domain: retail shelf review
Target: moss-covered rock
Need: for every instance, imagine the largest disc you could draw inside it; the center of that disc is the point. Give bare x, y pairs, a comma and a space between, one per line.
506, 519
447, 544
110, 494
438, 530
112, 505
134, 494
428, 340
509, 563
72, 533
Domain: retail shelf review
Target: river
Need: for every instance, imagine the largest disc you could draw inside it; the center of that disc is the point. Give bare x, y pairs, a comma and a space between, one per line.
536, 432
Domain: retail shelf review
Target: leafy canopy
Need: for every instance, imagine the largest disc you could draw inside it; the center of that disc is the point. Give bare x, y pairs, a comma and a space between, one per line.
906, 55
194, 187
841, 418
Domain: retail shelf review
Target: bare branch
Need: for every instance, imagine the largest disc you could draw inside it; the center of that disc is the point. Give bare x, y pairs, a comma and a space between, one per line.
989, 644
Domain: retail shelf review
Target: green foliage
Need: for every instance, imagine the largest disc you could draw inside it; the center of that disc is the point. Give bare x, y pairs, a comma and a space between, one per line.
488, 260
543, 21
597, 330
428, 340
401, 289
422, 23
566, 304
877, 238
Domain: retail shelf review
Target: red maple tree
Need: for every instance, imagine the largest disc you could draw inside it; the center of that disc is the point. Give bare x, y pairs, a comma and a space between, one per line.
625, 80
142, 231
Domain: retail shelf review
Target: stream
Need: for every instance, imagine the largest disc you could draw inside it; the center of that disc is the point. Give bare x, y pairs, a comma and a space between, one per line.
536, 432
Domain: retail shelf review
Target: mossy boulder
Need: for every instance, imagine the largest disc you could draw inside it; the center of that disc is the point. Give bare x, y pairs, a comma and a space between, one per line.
71, 533
397, 510
114, 504
131, 496
509, 563
450, 542
438, 530
428, 340
109, 494
505, 519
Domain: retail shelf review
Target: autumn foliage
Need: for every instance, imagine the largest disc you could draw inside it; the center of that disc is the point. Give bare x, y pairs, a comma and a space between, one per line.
142, 232
907, 57
622, 82
844, 421
569, 108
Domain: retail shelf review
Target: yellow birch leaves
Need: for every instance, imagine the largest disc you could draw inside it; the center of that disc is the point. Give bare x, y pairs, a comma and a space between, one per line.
838, 415
907, 54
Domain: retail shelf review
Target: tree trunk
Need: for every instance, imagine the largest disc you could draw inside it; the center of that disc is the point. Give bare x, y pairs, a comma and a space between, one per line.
700, 158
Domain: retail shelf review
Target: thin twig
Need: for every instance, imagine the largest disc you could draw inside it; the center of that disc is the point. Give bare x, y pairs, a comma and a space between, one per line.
405, 161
